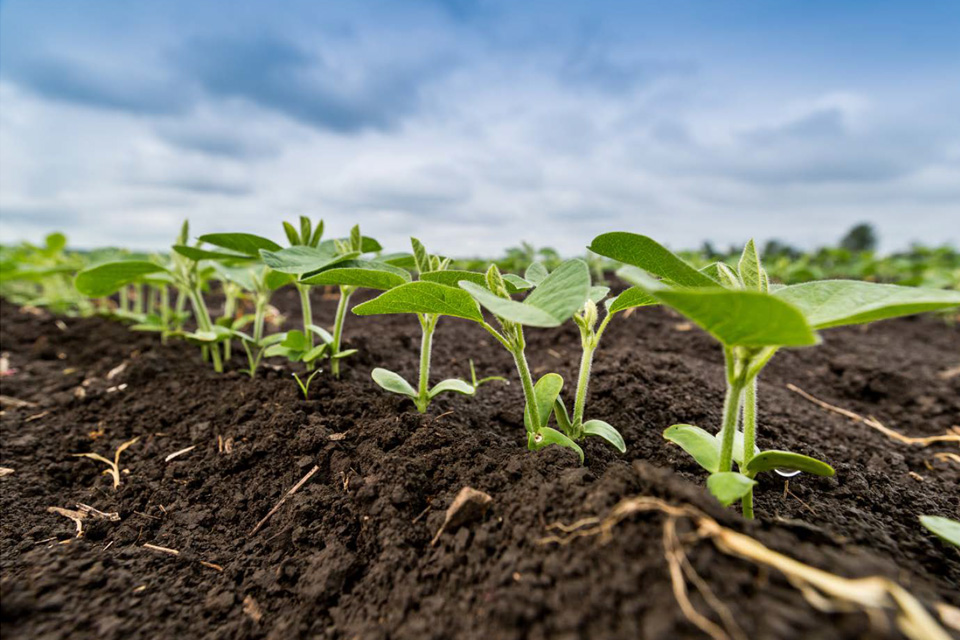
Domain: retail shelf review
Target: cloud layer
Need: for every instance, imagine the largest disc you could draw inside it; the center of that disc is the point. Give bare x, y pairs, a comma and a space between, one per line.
474, 125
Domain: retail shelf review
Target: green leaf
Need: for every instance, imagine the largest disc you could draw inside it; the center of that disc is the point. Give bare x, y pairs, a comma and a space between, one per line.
423, 297
597, 294
563, 418
517, 283
273, 280
402, 260
305, 229
603, 430
55, 242
367, 245
545, 393
420, 256
451, 278
649, 255
196, 254
750, 269
632, 297
559, 296
317, 234
314, 354
729, 486
535, 273
741, 318
246, 243
105, 279
302, 259
292, 236
703, 446
944, 528
547, 436
322, 333
393, 382
769, 460
346, 353
359, 273
834, 303
295, 340
452, 384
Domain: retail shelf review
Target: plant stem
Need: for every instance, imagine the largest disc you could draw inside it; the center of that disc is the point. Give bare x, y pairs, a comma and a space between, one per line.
731, 412
427, 323
586, 361
307, 312
526, 380
229, 308
204, 324
345, 293
164, 312
124, 297
749, 438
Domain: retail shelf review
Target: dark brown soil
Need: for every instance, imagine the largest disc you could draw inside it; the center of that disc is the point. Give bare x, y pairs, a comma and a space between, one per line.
349, 555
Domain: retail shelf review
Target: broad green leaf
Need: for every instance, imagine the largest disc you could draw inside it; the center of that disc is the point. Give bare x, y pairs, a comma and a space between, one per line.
545, 393
834, 303
559, 296
563, 292
369, 274
302, 259
547, 436
105, 279
509, 309
597, 294
277, 350
246, 243
603, 430
729, 486
393, 382
273, 280
750, 269
423, 297
518, 283
944, 528
451, 278
55, 242
197, 254
741, 318
535, 273
649, 255
632, 297
346, 353
215, 334
769, 460
273, 338
295, 340
453, 384
703, 446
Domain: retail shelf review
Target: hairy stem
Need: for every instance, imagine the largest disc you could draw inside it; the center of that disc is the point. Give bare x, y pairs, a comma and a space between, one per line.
526, 380
307, 312
731, 412
345, 293
583, 382
428, 323
749, 438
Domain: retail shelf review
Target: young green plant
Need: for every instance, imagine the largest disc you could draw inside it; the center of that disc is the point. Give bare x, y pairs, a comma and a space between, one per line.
753, 320
407, 298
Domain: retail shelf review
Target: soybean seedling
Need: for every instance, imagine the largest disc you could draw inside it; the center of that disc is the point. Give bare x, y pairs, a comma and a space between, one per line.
184, 271
113, 466
753, 320
306, 261
405, 298
350, 273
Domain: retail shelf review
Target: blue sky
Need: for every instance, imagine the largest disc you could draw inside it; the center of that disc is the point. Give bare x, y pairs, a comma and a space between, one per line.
476, 124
